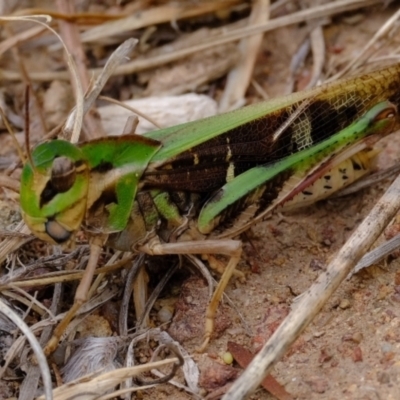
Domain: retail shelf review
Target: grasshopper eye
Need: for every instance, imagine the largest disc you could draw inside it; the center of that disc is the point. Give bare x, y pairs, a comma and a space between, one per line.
63, 174
62, 178
57, 232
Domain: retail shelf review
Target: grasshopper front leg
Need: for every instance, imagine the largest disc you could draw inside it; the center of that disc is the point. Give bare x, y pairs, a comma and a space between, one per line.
81, 294
229, 247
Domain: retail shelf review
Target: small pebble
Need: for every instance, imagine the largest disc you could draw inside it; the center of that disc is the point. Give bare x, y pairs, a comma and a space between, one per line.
227, 358
396, 298
165, 314
386, 347
318, 384
383, 377
344, 304
357, 354
317, 265
357, 337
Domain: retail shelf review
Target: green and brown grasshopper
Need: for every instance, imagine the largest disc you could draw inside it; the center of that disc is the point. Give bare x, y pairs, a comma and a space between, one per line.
193, 188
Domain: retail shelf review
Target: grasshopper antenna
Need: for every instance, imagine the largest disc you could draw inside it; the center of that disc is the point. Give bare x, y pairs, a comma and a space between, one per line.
27, 123
14, 138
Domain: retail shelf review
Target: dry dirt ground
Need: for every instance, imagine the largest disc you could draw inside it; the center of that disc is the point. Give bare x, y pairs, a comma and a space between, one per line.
352, 349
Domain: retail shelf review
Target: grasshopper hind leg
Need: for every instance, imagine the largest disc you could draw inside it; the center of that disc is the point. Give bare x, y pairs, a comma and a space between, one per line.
227, 247
216, 298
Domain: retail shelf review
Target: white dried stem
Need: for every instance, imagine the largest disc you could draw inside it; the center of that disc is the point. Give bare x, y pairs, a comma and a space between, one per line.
37, 349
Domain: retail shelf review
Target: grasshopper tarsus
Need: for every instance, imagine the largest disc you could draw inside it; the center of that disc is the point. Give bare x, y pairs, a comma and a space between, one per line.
52, 344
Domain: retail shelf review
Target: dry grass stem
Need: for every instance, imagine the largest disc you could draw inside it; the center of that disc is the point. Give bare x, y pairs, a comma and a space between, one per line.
70, 34
26, 299
239, 77
37, 109
119, 55
71, 64
20, 37
37, 349
361, 57
79, 17
375, 256
62, 276
95, 385
318, 52
154, 62
153, 16
10, 244
10, 183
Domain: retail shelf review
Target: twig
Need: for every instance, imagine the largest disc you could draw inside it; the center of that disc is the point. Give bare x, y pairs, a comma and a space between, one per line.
112, 64
318, 51
30, 383
20, 37
26, 79
10, 244
96, 385
10, 183
239, 77
69, 32
71, 64
356, 61
154, 16
377, 255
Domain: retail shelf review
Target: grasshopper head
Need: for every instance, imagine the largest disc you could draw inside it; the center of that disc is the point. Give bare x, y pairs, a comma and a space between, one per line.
54, 191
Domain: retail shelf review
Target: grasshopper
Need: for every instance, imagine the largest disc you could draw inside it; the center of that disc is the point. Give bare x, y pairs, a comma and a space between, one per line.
193, 188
